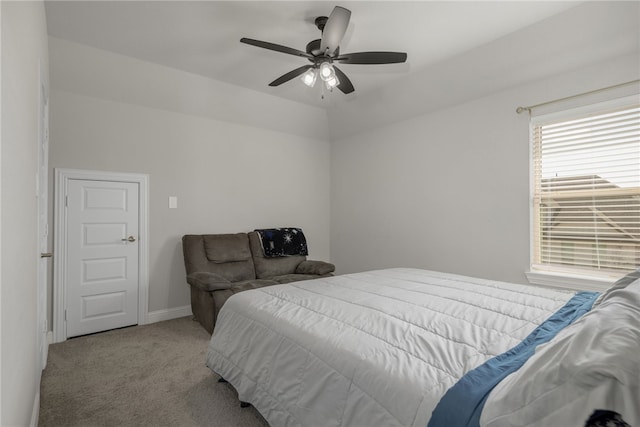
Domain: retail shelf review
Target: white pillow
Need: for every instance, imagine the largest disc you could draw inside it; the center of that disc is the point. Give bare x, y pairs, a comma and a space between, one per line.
621, 283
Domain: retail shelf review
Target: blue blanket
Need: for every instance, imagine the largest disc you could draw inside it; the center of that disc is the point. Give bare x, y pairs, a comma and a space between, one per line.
462, 404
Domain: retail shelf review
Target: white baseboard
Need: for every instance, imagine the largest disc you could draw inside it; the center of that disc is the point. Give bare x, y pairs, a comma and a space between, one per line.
168, 314
35, 411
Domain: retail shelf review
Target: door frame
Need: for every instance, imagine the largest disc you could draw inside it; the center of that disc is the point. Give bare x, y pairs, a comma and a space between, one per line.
42, 194
62, 178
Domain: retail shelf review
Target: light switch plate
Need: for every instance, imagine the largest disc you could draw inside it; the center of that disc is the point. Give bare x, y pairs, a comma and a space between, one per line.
173, 202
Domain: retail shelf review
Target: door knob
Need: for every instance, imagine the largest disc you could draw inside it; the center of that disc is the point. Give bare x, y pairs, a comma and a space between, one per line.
129, 239
46, 255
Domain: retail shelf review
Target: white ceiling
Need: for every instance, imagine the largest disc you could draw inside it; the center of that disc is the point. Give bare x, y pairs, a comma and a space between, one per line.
202, 37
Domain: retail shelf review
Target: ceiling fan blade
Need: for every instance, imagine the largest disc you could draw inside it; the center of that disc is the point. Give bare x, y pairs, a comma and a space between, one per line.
345, 84
276, 47
372, 58
290, 75
334, 29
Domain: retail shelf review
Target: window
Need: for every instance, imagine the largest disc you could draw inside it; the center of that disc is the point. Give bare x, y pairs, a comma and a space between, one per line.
586, 190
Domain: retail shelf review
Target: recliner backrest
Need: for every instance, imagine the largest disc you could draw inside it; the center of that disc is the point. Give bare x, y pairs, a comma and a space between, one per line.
228, 255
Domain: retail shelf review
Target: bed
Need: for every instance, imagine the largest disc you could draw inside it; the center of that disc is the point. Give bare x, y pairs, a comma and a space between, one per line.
392, 348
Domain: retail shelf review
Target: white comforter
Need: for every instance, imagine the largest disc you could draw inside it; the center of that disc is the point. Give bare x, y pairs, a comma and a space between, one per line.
378, 348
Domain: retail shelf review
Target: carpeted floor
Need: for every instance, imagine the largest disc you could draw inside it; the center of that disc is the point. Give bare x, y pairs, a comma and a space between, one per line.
151, 375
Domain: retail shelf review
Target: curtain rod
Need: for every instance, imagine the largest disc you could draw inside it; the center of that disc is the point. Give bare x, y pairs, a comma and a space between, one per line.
531, 107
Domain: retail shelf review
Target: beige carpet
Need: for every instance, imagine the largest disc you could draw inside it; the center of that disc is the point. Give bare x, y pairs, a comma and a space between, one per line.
152, 375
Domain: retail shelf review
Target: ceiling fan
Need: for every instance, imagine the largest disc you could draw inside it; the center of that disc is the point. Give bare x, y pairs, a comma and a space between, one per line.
324, 52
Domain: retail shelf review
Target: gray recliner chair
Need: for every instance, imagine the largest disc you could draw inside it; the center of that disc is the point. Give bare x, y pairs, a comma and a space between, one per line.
220, 265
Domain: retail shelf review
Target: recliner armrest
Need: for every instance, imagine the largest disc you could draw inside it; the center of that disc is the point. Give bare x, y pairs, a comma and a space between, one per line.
315, 267
206, 281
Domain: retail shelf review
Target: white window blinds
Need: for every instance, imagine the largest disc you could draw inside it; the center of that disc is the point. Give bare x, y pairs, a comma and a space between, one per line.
586, 192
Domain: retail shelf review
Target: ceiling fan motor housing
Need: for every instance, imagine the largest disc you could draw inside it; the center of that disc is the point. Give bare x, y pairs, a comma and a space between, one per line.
313, 48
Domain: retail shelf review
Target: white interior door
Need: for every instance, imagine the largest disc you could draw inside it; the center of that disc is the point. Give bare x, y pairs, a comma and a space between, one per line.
102, 255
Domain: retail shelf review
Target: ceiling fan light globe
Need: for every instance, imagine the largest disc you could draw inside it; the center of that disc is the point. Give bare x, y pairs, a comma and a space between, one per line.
309, 78
326, 71
332, 82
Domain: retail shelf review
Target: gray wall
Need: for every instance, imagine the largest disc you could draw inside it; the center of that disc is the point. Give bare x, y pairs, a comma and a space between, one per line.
24, 52
449, 190
433, 171
228, 176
